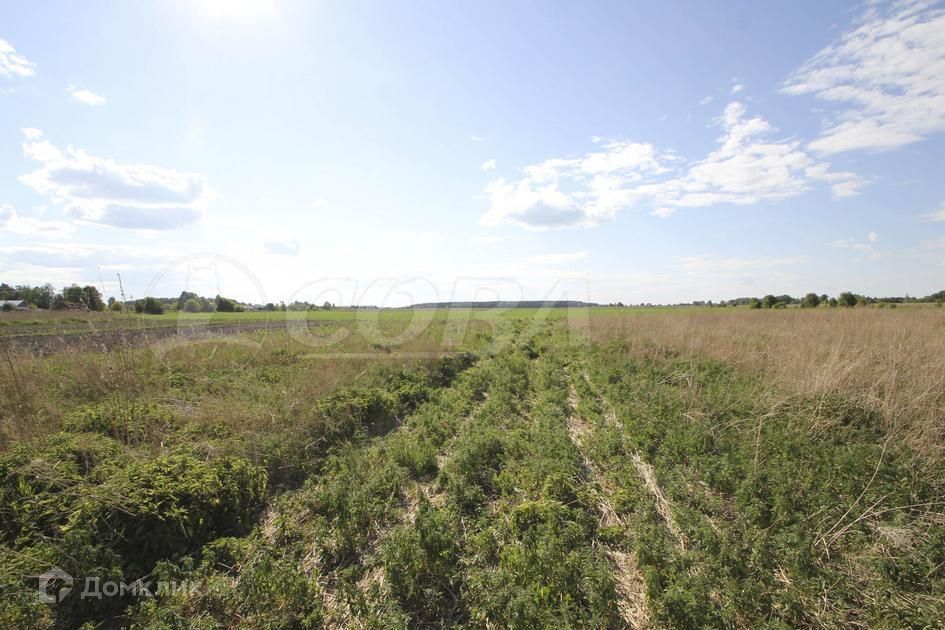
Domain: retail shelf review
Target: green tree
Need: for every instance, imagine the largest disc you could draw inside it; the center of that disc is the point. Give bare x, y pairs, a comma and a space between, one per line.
184, 297
92, 298
225, 305
191, 305
149, 306
847, 299
74, 294
811, 300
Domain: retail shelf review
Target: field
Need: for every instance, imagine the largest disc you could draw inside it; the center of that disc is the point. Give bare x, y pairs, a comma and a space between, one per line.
567, 468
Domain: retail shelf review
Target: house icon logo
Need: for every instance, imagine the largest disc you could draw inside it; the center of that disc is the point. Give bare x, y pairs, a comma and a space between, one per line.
54, 585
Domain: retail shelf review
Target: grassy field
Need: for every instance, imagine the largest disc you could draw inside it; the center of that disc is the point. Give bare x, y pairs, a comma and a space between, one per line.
594, 468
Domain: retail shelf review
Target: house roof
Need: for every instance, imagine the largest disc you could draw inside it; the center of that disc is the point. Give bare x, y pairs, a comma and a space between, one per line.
13, 303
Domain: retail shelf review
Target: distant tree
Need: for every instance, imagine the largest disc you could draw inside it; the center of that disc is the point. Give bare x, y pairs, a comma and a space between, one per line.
92, 298
115, 306
74, 294
768, 301
811, 300
192, 305
833, 302
327, 306
6, 291
754, 303
847, 299
150, 306
225, 305
184, 297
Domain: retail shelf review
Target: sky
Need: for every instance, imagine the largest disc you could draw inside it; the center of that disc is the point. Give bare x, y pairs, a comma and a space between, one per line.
397, 152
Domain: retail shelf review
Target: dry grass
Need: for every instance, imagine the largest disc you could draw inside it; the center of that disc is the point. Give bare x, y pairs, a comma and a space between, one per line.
890, 361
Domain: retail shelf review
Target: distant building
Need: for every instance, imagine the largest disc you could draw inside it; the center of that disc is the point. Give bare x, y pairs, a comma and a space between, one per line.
7, 305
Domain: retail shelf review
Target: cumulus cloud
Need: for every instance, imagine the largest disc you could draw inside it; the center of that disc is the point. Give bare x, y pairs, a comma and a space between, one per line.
887, 75
32, 133
571, 192
488, 165
87, 97
101, 190
706, 100
13, 63
285, 247
747, 167
738, 87
11, 221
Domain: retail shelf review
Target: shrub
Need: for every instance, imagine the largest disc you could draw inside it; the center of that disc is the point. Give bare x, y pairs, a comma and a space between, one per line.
129, 421
40, 481
422, 565
149, 306
169, 506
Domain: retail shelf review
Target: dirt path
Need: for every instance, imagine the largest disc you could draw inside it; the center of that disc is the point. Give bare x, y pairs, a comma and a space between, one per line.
648, 476
631, 588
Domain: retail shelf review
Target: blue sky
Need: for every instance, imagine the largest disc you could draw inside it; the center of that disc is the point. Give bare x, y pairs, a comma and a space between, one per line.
397, 152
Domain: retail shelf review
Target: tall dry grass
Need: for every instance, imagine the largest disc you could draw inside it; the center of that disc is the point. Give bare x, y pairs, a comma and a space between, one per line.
890, 361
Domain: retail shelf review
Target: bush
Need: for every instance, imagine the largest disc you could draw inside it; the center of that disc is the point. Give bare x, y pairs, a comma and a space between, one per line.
422, 565
131, 422
192, 306
41, 481
149, 306
169, 506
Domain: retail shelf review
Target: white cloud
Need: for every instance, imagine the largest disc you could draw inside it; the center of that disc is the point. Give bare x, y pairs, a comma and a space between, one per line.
888, 76
938, 215
738, 87
706, 100
32, 133
11, 221
100, 190
557, 259
842, 183
488, 165
850, 243
12, 63
746, 168
867, 247
285, 247
596, 186
87, 97
664, 213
